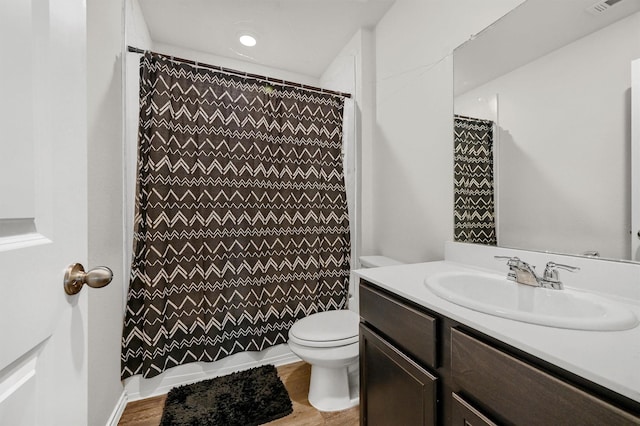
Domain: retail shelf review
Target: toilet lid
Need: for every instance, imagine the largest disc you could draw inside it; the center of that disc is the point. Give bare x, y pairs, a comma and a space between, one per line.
330, 328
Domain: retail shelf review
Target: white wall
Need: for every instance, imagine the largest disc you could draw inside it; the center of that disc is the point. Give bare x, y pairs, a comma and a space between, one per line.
352, 72
565, 145
136, 35
413, 145
249, 67
635, 160
104, 119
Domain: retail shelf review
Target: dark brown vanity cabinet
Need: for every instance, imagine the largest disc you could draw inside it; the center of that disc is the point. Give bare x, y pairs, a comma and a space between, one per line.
421, 368
519, 393
397, 390
465, 414
397, 351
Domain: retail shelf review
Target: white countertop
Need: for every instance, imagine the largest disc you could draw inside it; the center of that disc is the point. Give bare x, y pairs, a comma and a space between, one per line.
609, 358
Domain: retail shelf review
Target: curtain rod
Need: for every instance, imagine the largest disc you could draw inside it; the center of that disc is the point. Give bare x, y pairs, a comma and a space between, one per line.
245, 74
473, 118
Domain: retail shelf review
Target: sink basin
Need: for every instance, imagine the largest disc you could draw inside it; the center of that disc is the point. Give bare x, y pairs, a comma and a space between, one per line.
496, 295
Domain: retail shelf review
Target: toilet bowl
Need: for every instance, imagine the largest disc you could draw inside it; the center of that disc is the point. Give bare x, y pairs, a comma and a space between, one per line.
329, 342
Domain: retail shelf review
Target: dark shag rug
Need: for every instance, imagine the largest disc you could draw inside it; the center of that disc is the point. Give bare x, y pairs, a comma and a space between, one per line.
250, 397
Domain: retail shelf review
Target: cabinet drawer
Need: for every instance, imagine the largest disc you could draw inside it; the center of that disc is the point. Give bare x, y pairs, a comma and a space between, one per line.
395, 390
413, 331
519, 393
464, 413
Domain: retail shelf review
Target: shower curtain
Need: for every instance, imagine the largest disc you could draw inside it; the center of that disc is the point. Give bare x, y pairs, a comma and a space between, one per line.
241, 223
474, 215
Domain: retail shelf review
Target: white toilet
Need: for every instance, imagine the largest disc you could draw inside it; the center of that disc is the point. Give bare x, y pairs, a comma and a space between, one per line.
329, 342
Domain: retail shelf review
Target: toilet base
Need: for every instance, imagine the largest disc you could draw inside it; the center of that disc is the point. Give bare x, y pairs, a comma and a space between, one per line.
329, 389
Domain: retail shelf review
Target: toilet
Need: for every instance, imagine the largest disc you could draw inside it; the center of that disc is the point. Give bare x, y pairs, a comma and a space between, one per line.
329, 342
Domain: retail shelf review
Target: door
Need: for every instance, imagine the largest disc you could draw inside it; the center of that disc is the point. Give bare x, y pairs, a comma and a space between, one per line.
394, 390
635, 160
43, 355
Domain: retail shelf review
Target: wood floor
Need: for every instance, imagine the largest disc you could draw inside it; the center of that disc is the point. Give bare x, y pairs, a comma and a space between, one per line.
147, 412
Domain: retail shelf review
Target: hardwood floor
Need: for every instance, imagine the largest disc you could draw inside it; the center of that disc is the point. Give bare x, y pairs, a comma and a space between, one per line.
147, 412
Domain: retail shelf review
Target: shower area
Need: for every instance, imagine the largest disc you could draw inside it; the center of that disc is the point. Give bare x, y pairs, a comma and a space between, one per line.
168, 364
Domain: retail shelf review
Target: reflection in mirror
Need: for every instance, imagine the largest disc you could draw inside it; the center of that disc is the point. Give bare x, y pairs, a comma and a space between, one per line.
554, 78
474, 211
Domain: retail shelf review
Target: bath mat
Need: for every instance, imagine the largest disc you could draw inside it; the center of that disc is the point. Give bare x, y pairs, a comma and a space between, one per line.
250, 397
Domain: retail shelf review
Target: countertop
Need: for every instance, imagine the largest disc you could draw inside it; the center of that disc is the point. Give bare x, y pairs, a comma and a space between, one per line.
608, 358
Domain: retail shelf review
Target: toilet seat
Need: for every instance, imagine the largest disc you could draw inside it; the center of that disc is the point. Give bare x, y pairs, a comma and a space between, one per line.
326, 329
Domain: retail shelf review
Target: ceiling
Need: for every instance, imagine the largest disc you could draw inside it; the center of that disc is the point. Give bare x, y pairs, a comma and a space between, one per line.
531, 30
301, 36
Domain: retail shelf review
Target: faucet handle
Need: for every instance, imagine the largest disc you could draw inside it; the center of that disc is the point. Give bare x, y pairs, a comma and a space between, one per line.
550, 275
551, 266
511, 260
504, 257
515, 262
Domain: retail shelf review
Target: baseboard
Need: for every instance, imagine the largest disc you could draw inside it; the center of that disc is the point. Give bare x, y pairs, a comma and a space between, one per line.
118, 409
138, 388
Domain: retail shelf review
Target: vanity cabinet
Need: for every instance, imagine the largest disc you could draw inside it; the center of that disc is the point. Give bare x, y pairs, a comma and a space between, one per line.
397, 351
419, 367
411, 329
397, 390
519, 393
464, 413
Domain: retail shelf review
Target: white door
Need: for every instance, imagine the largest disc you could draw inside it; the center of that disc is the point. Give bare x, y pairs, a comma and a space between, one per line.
43, 205
635, 160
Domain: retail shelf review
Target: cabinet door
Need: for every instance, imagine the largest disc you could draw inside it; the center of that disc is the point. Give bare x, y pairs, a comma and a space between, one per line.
394, 390
519, 393
464, 414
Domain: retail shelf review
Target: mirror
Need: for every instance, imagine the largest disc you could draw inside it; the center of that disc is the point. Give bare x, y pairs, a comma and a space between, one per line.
553, 80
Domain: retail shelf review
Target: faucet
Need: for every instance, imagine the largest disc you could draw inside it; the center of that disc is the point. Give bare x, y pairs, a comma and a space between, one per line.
550, 275
520, 271
523, 273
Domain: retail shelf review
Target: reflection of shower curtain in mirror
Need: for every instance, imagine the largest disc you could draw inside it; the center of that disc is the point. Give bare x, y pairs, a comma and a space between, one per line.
474, 217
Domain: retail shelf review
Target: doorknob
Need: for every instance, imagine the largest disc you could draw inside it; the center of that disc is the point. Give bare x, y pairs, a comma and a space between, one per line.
75, 277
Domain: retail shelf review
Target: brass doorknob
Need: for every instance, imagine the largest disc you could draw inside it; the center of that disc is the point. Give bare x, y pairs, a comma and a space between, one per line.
75, 277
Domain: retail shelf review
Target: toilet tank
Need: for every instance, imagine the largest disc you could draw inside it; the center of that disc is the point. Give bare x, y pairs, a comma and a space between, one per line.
377, 261
366, 262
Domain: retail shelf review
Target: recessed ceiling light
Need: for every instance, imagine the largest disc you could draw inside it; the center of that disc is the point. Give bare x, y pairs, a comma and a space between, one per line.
248, 40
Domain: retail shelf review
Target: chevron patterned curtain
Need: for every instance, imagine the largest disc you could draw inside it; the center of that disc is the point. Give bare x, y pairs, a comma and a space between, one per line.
474, 217
241, 223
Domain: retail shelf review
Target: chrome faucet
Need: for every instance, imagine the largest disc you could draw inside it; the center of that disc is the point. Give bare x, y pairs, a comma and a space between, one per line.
523, 273
550, 275
520, 271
